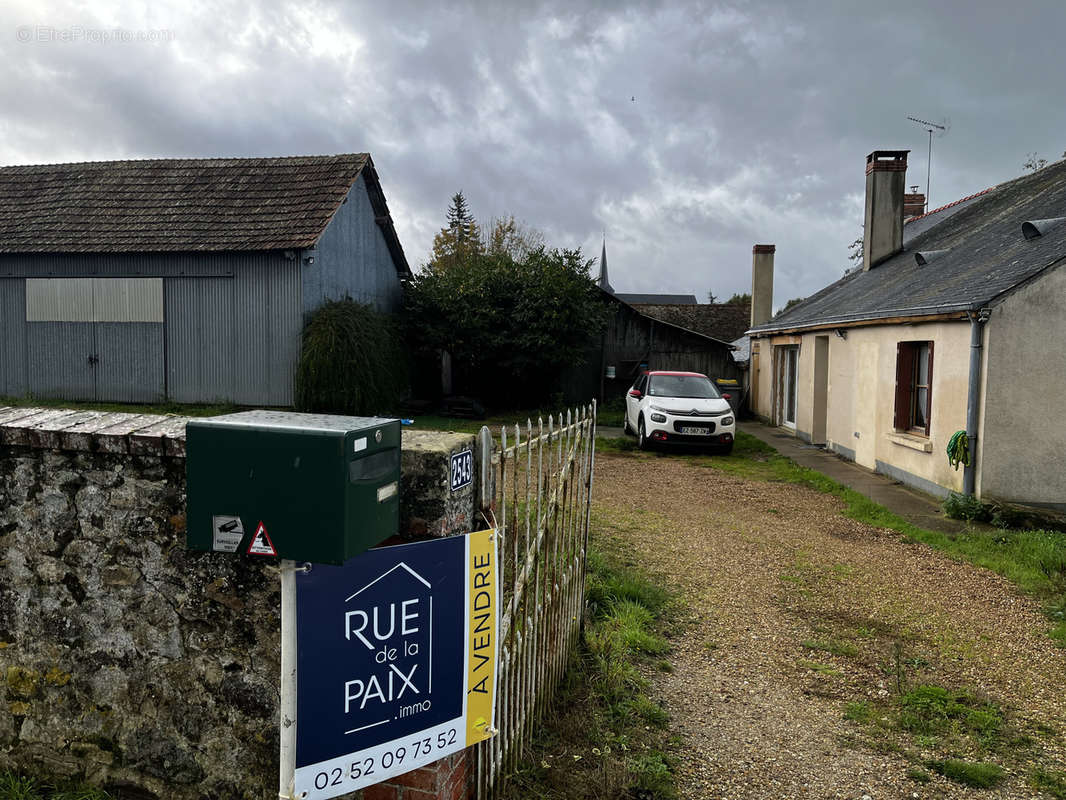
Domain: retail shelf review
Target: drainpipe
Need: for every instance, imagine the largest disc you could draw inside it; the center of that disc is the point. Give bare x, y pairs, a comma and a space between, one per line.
977, 324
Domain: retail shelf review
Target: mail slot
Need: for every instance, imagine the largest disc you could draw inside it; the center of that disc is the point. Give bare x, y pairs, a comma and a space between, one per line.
310, 487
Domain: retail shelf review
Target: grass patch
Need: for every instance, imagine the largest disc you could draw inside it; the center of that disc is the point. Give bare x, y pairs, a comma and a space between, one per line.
611, 412
858, 711
499, 419
604, 736
1049, 782
627, 444
978, 774
919, 775
21, 787
178, 409
931, 710
822, 669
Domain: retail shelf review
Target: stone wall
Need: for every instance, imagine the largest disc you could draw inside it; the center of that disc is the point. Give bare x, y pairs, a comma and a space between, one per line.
128, 660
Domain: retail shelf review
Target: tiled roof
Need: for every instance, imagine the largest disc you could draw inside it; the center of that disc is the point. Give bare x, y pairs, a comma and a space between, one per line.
723, 321
169, 205
987, 256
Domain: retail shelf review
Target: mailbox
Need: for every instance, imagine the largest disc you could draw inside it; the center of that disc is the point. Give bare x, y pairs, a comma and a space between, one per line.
310, 487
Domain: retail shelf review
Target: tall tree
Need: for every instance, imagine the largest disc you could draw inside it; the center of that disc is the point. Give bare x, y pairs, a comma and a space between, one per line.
739, 300
507, 236
512, 327
460, 240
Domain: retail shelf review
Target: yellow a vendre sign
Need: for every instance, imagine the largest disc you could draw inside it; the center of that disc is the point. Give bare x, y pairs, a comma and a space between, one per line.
397, 654
482, 650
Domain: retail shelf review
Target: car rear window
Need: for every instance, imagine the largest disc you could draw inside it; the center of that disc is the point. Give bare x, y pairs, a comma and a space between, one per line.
682, 386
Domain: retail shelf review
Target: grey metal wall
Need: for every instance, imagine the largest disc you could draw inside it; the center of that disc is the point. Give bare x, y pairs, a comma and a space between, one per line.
231, 331
13, 379
201, 319
352, 259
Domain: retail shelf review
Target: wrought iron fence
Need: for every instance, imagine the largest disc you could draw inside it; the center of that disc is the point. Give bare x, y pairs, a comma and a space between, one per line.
540, 485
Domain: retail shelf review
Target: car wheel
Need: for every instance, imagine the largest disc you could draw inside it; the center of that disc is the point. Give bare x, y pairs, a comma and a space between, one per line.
642, 437
724, 451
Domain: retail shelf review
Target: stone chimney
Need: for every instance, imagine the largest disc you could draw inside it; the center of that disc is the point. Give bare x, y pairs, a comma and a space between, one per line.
762, 283
886, 172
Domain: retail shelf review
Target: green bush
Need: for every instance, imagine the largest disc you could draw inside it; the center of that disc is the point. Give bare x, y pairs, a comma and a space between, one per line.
967, 507
352, 361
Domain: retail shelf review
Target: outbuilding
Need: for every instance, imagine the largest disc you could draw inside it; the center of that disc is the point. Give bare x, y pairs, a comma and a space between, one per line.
186, 280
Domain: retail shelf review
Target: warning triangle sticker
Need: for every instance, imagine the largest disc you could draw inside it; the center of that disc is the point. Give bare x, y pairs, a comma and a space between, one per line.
261, 544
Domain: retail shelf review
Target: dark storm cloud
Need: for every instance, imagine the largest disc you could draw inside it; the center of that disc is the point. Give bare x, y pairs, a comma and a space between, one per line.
687, 131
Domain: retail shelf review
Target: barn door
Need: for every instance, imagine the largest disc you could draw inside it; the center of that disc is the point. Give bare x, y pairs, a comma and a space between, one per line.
128, 329
60, 345
95, 338
60, 360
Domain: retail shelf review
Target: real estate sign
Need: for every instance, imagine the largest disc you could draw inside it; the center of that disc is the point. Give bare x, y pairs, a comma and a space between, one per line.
396, 661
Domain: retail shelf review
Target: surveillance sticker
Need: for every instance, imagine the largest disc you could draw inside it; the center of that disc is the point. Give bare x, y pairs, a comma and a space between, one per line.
228, 533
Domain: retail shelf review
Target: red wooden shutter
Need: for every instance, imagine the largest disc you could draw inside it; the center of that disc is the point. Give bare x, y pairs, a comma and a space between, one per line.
929, 392
904, 376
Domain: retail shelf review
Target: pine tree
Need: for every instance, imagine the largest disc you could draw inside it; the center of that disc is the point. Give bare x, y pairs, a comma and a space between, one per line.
460, 240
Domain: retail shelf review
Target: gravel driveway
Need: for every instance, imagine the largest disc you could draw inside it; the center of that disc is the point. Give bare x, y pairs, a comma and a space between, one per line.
801, 615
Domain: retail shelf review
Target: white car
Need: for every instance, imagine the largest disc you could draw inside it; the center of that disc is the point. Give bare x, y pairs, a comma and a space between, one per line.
679, 408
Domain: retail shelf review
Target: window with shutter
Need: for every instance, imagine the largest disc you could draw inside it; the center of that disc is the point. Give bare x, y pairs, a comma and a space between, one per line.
914, 387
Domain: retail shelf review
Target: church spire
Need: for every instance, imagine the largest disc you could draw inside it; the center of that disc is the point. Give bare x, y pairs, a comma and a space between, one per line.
602, 282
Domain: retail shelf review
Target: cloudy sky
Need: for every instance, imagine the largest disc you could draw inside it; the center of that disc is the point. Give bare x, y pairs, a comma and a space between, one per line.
687, 131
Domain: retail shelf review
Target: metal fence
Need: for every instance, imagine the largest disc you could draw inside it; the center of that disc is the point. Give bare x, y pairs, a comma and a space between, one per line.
540, 485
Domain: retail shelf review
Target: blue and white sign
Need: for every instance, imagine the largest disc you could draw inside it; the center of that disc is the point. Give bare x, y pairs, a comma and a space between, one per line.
383, 661
462, 470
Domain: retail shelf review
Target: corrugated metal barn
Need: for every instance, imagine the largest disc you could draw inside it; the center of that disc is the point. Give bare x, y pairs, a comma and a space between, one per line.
183, 279
634, 342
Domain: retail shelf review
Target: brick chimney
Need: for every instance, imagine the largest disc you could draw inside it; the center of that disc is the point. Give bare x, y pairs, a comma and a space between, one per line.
762, 283
886, 172
913, 204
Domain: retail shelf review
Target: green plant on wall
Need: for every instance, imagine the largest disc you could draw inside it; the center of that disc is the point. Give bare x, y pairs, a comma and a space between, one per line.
352, 361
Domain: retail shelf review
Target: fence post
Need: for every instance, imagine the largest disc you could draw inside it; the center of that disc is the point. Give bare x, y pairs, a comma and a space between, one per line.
487, 482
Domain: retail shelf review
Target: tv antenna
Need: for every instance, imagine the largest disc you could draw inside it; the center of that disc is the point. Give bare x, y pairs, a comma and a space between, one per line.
930, 127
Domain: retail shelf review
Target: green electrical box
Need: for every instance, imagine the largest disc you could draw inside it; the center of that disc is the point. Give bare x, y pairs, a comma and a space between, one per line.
310, 487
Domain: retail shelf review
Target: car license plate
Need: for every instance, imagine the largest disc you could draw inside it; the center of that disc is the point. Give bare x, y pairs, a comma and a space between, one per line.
695, 431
